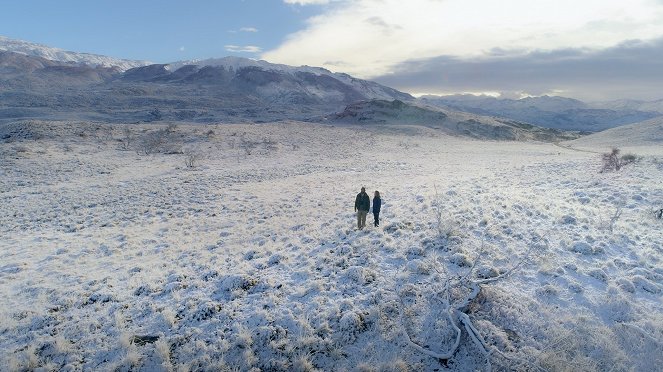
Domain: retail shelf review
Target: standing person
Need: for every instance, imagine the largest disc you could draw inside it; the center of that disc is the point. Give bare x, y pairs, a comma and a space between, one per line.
362, 205
377, 204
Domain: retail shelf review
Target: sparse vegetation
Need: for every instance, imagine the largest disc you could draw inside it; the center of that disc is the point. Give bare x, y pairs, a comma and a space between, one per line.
612, 161
127, 138
159, 141
192, 157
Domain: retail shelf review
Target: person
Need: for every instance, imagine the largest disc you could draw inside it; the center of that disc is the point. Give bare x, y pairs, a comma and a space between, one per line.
377, 204
362, 205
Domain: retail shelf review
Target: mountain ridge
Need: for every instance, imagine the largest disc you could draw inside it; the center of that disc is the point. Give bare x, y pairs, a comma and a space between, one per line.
61, 55
82, 86
548, 111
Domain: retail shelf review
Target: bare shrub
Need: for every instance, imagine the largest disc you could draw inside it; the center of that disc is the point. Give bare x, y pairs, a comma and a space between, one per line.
192, 158
269, 144
611, 161
127, 139
455, 292
247, 145
629, 158
161, 141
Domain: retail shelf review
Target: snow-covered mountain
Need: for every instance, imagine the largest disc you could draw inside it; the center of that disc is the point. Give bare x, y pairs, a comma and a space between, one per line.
60, 55
451, 122
552, 112
226, 89
629, 104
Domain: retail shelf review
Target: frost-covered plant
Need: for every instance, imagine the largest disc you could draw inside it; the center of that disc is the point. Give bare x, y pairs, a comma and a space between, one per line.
163, 349
127, 138
159, 141
612, 161
453, 297
191, 158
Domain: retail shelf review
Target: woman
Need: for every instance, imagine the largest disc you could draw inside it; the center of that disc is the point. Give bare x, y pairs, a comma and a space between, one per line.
377, 204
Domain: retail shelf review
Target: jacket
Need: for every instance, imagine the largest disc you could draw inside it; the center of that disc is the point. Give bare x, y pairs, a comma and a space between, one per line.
377, 204
362, 202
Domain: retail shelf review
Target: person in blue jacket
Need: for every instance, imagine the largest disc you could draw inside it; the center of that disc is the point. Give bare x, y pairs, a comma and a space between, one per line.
377, 204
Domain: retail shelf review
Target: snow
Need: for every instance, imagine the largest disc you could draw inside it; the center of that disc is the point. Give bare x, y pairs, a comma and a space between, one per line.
55, 54
111, 260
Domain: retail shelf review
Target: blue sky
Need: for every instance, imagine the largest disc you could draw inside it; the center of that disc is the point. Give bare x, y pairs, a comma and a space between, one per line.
160, 30
588, 49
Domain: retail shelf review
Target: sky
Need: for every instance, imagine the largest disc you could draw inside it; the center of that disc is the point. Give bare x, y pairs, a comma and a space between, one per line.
585, 49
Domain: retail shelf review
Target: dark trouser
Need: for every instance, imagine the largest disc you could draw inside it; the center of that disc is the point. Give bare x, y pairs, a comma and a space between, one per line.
376, 218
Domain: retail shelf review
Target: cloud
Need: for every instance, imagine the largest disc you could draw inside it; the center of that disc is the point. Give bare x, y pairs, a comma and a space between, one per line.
243, 49
370, 37
631, 69
248, 29
306, 2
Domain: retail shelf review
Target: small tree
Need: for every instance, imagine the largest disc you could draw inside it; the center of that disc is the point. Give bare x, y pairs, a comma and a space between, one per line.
127, 138
613, 162
191, 158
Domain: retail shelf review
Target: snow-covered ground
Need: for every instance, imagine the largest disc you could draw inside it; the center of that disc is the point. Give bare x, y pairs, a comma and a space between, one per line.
115, 260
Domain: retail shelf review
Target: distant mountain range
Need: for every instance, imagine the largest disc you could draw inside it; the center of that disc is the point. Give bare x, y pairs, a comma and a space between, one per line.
553, 112
39, 82
55, 54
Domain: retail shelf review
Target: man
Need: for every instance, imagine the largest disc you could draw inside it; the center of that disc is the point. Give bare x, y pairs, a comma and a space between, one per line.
362, 205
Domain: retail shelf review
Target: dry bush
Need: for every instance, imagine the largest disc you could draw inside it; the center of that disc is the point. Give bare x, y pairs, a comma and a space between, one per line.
612, 161
161, 141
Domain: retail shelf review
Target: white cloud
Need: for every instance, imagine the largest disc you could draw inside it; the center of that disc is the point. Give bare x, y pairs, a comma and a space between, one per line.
306, 2
243, 49
248, 29
368, 37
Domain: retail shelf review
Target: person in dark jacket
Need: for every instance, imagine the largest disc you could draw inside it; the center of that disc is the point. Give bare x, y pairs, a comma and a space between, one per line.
377, 204
362, 205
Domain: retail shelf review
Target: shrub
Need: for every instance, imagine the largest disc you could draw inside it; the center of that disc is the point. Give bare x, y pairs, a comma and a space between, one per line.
613, 162
160, 141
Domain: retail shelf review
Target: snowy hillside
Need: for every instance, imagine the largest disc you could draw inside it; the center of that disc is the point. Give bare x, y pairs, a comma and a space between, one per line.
634, 137
368, 89
451, 122
233, 247
55, 54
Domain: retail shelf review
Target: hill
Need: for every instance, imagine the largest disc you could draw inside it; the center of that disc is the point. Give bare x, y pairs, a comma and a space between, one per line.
632, 137
447, 121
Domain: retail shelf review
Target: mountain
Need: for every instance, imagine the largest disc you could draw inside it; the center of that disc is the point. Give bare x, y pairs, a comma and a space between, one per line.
627, 104
59, 55
273, 82
546, 111
37, 82
447, 121
225, 89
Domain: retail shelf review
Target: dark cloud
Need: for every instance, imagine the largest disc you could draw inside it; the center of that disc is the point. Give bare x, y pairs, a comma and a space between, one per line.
633, 69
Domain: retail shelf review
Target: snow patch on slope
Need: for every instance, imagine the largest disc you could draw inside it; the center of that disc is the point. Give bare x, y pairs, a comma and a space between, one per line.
55, 54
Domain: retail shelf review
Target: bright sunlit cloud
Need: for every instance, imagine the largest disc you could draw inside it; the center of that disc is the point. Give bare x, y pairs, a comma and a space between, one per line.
368, 38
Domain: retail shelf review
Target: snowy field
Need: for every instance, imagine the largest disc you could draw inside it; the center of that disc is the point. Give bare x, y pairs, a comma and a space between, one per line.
502, 255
